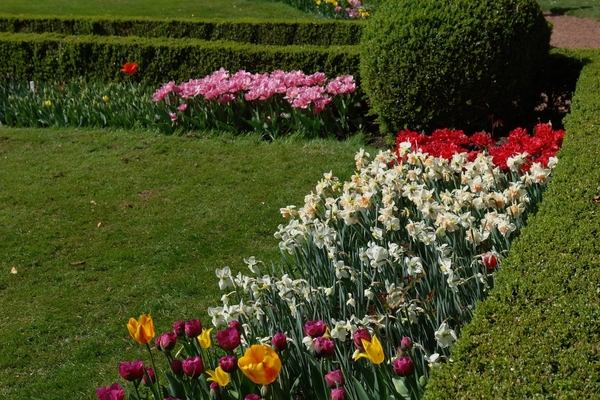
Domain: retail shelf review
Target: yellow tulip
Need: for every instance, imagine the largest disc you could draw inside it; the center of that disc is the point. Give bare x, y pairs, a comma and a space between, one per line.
373, 351
260, 364
204, 338
142, 331
219, 376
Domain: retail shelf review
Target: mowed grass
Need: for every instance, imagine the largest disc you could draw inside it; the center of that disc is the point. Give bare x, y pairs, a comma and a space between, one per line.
97, 227
576, 8
204, 9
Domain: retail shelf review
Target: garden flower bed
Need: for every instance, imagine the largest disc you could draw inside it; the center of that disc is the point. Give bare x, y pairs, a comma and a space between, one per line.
386, 267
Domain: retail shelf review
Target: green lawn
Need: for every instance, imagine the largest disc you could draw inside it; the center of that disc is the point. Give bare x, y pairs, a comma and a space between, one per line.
576, 8
102, 226
204, 9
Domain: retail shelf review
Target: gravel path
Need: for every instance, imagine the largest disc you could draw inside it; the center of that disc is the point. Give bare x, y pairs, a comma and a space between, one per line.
574, 32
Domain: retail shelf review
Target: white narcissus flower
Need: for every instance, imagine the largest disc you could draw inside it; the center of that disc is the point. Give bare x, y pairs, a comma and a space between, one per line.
309, 343
224, 276
351, 302
251, 262
445, 336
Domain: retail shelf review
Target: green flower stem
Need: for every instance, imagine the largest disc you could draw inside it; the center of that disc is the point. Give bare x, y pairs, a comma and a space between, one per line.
157, 391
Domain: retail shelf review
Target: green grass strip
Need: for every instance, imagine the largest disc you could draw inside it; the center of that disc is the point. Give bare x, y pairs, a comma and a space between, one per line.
538, 334
103, 226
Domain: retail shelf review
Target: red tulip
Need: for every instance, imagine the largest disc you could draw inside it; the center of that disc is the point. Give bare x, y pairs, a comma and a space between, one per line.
130, 68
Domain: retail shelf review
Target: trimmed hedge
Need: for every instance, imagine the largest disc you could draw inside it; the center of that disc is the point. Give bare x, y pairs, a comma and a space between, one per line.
428, 64
53, 57
538, 334
317, 33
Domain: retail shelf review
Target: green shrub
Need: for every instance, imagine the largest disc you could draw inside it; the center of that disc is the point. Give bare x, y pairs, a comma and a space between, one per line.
428, 64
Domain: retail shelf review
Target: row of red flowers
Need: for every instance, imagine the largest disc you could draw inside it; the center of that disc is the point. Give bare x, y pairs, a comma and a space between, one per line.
544, 144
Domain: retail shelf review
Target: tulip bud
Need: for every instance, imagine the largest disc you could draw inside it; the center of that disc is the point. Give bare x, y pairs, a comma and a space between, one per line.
149, 374
359, 335
131, 371
193, 366
228, 363
236, 324
334, 379
166, 341
279, 341
177, 367
315, 328
403, 366
489, 260
324, 347
179, 328
228, 338
406, 343
214, 387
193, 328
338, 394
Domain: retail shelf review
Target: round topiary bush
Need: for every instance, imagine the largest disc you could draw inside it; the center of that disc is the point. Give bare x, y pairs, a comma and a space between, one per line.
429, 64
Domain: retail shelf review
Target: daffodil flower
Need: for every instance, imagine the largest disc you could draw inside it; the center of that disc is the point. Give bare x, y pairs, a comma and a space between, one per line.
219, 376
373, 351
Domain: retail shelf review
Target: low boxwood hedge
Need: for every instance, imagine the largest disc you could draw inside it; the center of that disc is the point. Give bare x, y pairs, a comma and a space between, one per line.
316, 33
538, 334
54, 57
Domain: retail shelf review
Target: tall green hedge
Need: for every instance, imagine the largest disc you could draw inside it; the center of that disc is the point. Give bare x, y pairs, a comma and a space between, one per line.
53, 57
538, 334
316, 33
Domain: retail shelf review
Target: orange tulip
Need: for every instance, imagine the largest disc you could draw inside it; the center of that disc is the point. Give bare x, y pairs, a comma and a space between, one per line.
142, 331
130, 68
260, 364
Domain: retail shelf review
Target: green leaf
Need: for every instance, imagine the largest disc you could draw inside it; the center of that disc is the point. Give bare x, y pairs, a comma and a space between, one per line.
362, 395
401, 387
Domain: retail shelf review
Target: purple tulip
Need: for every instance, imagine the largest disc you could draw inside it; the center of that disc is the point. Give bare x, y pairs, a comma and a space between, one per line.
334, 378
177, 367
179, 328
359, 335
236, 324
338, 394
112, 392
166, 341
228, 363
315, 328
193, 328
324, 347
406, 343
193, 366
131, 371
149, 374
279, 341
228, 338
252, 397
403, 366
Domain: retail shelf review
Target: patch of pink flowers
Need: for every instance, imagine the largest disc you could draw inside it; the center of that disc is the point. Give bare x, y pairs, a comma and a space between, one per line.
299, 89
518, 147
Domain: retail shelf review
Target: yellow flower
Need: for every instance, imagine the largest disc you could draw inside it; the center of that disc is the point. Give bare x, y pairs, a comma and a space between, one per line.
105, 98
204, 338
47, 103
142, 331
260, 364
219, 376
318, 2
373, 351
